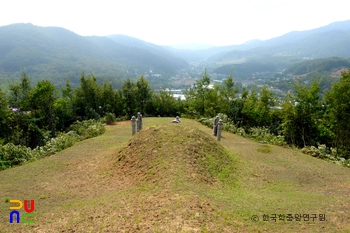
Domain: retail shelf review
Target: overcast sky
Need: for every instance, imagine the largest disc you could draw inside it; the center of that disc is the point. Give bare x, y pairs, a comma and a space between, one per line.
166, 22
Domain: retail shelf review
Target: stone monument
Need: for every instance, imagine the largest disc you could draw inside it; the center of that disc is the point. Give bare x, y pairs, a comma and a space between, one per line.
139, 121
133, 125
220, 123
215, 126
177, 120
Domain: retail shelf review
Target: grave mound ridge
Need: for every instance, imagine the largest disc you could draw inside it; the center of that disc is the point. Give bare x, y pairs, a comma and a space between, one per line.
168, 152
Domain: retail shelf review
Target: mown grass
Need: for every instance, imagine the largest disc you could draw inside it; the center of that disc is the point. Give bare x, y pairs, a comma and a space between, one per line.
79, 189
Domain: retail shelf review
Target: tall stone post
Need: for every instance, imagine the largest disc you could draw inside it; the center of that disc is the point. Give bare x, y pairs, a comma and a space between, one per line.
220, 123
139, 121
215, 126
133, 125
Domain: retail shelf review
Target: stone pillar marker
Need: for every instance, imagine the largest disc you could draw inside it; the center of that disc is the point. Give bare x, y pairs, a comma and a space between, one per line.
220, 123
133, 125
215, 126
139, 121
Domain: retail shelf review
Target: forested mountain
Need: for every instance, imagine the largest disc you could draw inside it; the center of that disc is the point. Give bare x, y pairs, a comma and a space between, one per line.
55, 53
157, 50
296, 36
277, 54
319, 45
328, 41
318, 65
58, 54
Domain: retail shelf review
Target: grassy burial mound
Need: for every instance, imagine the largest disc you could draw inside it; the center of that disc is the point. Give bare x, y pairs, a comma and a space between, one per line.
172, 171
166, 154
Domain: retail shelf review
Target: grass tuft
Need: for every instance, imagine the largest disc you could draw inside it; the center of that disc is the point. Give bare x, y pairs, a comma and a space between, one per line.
264, 149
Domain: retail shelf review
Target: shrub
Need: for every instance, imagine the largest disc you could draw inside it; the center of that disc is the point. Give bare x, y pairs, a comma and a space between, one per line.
11, 155
59, 143
262, 134
123, 118
257, 133
329, 154
88, 129
110, 118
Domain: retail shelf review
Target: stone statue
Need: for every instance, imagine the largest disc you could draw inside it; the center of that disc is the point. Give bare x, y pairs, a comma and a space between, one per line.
139, 121
215, 126
133, 125
219, 129
177, 120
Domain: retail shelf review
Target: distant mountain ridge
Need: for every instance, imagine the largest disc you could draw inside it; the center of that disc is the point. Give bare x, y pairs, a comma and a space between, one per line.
57, 54
191, 46
327, 41
291, 42
152, 48
54, 51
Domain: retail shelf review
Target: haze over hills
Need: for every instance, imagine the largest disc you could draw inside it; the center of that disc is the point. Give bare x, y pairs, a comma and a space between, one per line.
57, 54
327, 41
192, 46
157, 50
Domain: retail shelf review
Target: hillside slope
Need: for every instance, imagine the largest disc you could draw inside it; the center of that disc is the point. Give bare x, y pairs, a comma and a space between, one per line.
328, 41
157, 50
177, 178
55, 53
277, 54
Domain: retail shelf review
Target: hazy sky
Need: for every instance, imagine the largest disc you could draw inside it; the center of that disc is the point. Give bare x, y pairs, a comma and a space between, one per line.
165, 22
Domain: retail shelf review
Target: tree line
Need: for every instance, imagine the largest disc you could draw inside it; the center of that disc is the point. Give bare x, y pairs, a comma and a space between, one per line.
305, 117
31, 114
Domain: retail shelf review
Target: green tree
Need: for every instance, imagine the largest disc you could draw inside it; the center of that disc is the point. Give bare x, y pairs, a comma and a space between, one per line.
5, 130
198, 93
288, 119
300, 122
227, 92
119, 103
41, 100
108, 99
202, 90
24, 126
338, 112
164, 103
87, 102
143, 93
264, 103
236, 107
19, 92
213, 101
250, 112
129, 90
64, 107
67, 92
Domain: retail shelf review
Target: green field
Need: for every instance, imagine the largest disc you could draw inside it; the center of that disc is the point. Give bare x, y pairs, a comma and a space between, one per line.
177, 178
